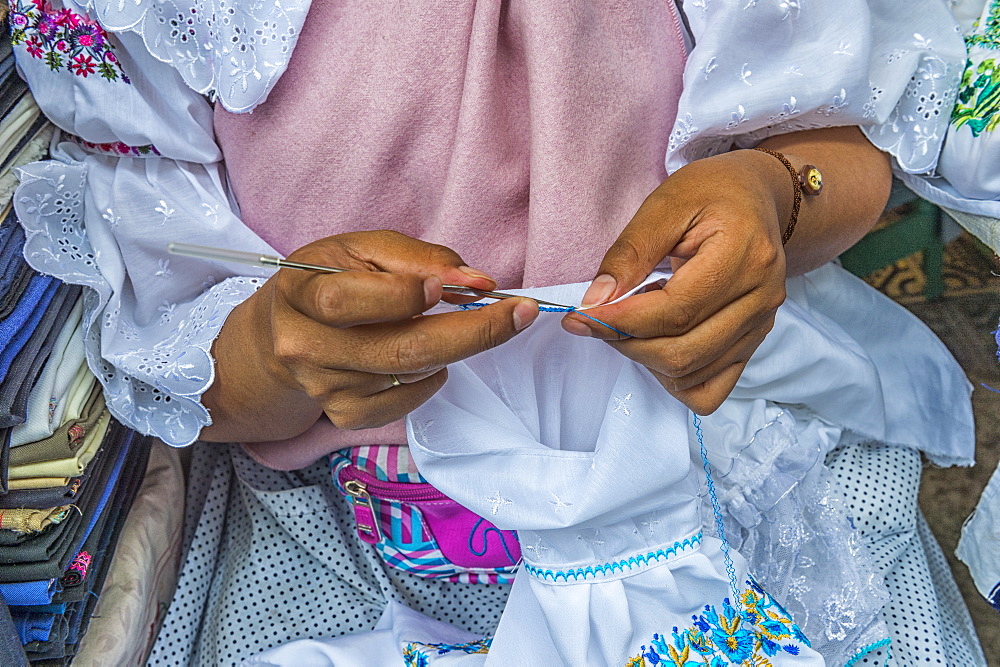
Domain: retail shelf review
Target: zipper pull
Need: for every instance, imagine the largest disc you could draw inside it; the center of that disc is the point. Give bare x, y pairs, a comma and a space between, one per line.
364, 512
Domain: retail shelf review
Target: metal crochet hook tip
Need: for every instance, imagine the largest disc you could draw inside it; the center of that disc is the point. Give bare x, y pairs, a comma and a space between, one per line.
273, 261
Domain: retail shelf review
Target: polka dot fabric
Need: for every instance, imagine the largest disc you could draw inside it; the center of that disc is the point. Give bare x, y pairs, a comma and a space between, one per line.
927, 619
273, 557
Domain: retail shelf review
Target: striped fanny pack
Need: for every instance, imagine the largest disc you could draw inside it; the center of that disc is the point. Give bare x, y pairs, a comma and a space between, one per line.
415, 527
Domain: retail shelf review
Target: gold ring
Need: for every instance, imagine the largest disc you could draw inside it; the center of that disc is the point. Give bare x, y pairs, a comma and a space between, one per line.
394, 380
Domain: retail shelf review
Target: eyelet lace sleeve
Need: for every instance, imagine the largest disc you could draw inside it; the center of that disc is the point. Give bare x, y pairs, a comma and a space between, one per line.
768, 67
103, 222
234, 49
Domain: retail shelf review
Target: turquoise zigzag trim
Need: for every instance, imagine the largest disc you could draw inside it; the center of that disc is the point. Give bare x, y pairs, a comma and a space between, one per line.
868, 649
616, 566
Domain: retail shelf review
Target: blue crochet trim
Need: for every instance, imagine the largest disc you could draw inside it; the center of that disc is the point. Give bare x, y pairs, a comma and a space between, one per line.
616, 566
868, 649
553, 309
994, 597
720, 525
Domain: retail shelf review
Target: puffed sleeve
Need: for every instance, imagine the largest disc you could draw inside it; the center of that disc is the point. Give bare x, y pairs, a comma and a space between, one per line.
967, 181
765, 67
134, 167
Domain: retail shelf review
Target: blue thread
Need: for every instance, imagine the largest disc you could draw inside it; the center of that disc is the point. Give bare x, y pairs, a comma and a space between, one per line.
868, 649
611, 568
719, 525
486, 541
554, 309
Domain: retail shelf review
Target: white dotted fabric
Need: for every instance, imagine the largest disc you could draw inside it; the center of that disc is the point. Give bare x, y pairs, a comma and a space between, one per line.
273, 557
927, 618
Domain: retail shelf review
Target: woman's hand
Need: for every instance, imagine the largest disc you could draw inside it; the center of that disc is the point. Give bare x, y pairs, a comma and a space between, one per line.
309, 343
720, 220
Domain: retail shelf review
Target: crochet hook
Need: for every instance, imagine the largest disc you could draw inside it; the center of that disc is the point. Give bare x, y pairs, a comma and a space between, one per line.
273, 261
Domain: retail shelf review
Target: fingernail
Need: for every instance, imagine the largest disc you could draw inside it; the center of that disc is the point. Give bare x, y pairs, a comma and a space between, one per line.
474, 273
576, 327
432, 290
525, 312
600, 290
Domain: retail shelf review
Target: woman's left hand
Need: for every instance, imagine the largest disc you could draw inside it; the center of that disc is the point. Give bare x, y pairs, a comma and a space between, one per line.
720, 220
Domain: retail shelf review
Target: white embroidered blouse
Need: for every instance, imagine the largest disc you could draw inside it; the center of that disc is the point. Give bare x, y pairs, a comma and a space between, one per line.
137, 165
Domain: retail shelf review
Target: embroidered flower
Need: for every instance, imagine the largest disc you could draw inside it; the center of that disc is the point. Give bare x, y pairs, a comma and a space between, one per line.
63, 39
82, 65
717, 639
34, 47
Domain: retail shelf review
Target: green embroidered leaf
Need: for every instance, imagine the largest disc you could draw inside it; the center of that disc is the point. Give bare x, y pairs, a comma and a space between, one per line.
53, 60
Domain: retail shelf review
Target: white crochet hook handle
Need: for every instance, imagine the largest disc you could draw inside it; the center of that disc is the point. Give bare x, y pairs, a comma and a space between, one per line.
273, 261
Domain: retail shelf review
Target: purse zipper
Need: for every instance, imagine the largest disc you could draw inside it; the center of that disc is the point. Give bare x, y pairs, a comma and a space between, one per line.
357, 482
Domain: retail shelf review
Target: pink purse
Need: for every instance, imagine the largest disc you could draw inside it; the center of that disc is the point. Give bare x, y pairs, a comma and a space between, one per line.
415, 527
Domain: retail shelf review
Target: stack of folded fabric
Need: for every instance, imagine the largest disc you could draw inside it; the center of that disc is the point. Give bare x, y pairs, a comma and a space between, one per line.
68, 471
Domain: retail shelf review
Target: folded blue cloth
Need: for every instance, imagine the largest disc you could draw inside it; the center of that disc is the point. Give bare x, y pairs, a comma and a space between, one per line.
32, 627
28, 593
16, 329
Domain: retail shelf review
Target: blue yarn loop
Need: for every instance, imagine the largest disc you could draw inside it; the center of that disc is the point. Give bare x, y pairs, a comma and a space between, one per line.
720, 526
555, 309
611, 568
886, 643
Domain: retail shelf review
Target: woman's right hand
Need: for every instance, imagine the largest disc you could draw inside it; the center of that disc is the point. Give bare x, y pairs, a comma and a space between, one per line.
310, 343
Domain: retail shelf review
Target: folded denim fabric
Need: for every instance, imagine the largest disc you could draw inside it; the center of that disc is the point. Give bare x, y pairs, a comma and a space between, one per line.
68, 467
82, 600
20, 279
29, 592
68, 438
16, 329
27, 364
10, 643
49, 554
32, 627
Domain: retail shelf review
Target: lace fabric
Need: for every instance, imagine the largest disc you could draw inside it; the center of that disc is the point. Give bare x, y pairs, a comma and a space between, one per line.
784, 514
235, 50
890, 68
150, 353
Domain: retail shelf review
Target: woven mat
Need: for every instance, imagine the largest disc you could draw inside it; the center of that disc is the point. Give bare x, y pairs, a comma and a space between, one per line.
968, 270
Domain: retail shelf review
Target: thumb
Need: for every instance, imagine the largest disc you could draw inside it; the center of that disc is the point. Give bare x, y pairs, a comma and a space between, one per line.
643, 244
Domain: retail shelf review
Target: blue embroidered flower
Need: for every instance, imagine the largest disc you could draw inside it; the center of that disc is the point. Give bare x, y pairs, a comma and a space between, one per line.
722, 639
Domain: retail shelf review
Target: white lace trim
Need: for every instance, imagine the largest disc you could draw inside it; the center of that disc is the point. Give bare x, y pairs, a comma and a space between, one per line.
156, 389
783, 514
231, 48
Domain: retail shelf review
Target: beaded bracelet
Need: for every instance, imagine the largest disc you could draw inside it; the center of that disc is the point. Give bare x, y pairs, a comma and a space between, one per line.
809, 182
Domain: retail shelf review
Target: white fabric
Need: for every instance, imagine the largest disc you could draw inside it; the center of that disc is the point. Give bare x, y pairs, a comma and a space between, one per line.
553, 435
968, 175
96, 219
979, 546
766, 67
47, 399
970, 159
379, 648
